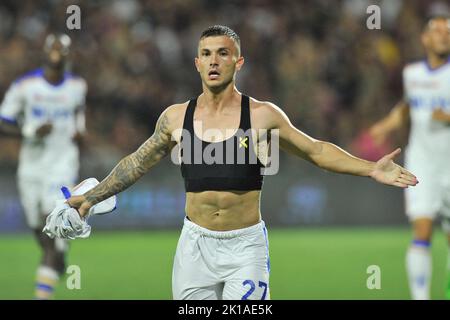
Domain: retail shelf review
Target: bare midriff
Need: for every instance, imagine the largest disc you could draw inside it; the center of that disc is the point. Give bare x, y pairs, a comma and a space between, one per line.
223, 210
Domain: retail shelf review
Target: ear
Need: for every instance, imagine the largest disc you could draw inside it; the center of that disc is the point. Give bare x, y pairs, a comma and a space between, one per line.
424, 39
239, 63
196, 62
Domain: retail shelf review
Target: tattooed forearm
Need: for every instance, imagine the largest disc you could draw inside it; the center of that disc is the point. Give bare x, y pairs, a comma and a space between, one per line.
134, 166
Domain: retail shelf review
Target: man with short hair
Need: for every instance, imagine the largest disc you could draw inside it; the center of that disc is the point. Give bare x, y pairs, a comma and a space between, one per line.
223, 248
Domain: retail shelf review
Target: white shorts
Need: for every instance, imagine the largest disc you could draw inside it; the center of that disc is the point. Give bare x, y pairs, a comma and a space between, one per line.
216, 265
431, 197
38, 197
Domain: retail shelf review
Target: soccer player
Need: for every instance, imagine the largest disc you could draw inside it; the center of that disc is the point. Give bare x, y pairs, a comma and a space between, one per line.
46, 108
426, 105
223, 252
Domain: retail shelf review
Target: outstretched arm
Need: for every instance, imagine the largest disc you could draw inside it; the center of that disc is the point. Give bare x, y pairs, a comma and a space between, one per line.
129, 169
330, 157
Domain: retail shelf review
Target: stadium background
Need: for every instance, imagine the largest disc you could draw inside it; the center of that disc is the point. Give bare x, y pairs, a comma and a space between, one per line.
315, 59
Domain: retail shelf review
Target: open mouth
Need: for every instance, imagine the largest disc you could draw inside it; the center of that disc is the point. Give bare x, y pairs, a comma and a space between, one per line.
213, 74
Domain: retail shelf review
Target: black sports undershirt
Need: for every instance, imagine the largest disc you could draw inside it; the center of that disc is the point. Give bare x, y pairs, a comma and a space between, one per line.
224, 171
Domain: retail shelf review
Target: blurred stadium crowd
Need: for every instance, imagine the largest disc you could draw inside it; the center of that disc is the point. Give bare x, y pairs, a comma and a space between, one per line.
316, 59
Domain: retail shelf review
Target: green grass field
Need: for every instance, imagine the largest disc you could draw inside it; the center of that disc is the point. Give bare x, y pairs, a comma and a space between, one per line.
305, 264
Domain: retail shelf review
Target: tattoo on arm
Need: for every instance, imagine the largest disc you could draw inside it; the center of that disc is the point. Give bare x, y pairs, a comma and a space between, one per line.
135, 165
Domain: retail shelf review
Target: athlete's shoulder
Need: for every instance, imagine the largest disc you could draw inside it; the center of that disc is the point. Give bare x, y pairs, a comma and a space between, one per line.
75, 79
176, 109
266, 114
414, 66
264, 107
31, 75
175, 114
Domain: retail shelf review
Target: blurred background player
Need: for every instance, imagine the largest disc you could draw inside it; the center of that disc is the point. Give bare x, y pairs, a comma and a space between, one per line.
427, 106
46, 108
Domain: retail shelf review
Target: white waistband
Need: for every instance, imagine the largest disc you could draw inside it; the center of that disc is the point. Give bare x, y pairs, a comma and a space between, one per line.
223, 234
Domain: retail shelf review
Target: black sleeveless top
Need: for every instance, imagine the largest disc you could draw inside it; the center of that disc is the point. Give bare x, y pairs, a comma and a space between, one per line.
231, 164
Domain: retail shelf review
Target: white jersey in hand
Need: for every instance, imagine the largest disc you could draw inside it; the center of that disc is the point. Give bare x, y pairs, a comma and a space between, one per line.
32, 101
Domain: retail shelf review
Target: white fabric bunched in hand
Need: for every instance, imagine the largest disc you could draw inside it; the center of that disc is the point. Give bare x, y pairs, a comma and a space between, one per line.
65, 222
